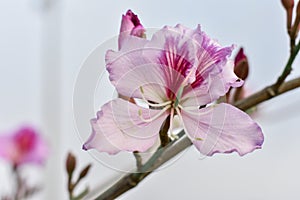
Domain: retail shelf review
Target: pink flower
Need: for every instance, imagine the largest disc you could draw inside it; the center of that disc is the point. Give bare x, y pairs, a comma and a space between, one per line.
180, 72
130, 25
23, 146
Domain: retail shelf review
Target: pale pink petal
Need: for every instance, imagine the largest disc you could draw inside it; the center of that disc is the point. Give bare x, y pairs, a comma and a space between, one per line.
174, 48
222, 128
150, 81
213, 87
125, 60
212, 57
119, 127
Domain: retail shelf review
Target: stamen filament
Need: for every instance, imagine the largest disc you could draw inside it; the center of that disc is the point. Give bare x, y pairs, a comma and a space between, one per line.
179, 114
180, 117
187, 77
190, 108
155, 105
140, 112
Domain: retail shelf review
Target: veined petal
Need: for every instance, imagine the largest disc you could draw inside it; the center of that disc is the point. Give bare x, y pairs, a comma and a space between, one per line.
119, 127
149, 81
211, 55
222, 129
213, 87
173, 47
126, 59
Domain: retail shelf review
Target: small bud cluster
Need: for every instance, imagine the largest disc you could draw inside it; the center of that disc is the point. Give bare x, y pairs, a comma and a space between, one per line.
70, 167
292, 28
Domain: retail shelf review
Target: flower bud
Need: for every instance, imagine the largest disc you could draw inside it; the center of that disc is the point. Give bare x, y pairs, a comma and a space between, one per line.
130, 25
241, 66
288, 5
294, 29
84, 172
70, 163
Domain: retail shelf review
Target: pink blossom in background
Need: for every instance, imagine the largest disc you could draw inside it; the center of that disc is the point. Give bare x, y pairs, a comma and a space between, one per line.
180, 71
23, 146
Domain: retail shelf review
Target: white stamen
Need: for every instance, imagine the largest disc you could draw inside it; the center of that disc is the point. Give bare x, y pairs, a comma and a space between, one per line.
179, 114
191, 108
140, 112
155, 105
180, 117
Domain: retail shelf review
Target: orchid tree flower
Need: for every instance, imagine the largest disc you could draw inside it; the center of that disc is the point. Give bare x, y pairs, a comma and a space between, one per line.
179, 72
23, 146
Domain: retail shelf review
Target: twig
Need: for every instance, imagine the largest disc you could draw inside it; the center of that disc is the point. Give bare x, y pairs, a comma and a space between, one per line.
266, 94
163, 155
288, 68
139, 160
163, 132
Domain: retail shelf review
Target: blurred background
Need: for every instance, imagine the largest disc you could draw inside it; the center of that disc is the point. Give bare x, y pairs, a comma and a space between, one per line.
43, 44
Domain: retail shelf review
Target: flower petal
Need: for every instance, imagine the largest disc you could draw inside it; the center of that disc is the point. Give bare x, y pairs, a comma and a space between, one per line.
149, 81
119, 127
222, 129
212, 57
213, 87
174, 48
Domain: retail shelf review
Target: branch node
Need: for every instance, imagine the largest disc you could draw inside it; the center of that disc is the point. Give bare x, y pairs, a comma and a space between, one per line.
271, 92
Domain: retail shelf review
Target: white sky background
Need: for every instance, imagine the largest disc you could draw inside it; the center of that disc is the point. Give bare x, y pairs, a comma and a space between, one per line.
259, 26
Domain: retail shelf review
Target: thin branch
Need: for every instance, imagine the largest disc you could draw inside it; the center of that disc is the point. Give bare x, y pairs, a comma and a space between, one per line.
139, 160
163, 155
288, 67
266, 94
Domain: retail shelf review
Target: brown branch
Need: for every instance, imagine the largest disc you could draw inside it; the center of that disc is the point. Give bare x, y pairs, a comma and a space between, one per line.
163, 155
266, 94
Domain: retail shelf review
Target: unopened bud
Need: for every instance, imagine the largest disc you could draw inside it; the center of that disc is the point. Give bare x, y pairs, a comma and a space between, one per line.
84, 172
241, 65
70, 163
288, 5
294, 29
298, 9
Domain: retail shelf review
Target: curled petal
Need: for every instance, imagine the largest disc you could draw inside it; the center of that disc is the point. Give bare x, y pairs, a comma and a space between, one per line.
222, 129
212, 57
213, 87
122, 126
220, 84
